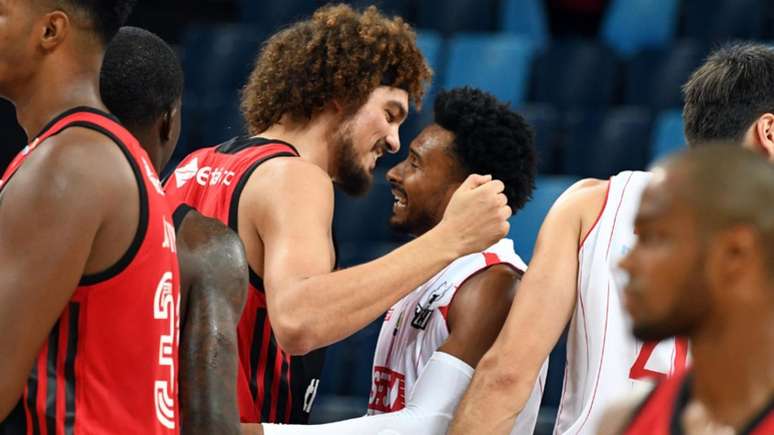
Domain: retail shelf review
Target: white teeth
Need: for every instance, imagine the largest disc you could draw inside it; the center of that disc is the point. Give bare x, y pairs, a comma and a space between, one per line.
399, 202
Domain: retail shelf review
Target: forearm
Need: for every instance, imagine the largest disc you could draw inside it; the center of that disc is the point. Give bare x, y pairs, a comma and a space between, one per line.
208, 367
494, 399
327, 308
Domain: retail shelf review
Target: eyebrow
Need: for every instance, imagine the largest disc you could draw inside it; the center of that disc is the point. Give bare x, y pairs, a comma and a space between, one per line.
402, 111
415, 154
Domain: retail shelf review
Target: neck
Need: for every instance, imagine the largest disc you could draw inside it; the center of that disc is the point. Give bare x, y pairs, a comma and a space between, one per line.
148, 139
56, 87
733, 360
311, 140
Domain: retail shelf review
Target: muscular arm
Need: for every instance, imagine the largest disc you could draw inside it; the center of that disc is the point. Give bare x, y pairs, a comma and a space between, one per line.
475, 317
47, 228
312, 307
214, 274
506, 374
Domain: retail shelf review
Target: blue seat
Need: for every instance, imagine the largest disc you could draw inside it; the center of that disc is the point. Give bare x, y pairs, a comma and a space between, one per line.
631, 25
601, 144
717, 21
654, 78
576, 73
218, 59
526, 223
525, 18
271, 15
546, 122
450, 16
499, 64
11, 134
668, 134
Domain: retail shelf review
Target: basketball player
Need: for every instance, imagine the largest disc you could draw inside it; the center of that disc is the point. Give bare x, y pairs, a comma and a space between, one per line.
703, 267
585, 234
433, 338
142, 84
323, 103
88, 269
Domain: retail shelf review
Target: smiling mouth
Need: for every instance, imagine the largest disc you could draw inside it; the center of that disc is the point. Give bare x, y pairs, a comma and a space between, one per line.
400, 199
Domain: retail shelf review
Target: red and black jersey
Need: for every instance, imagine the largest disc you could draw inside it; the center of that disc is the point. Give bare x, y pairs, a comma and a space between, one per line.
661, 413
110, 362
272, 386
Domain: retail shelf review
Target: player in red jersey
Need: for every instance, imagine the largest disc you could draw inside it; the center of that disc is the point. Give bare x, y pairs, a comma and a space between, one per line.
324, 102
703, 267
88, 269
142, 84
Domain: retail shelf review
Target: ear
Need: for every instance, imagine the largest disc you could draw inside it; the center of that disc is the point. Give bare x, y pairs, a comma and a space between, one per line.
764, 135
165, 126
56, 27
732, 254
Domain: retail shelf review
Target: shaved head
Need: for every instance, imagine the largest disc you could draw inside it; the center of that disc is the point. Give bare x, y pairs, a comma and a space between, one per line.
726, 186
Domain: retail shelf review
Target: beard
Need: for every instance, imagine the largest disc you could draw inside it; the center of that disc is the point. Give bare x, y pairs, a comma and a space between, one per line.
350, 177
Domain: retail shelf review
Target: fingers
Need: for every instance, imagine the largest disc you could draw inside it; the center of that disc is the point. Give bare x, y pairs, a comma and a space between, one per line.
494, 186
475, 180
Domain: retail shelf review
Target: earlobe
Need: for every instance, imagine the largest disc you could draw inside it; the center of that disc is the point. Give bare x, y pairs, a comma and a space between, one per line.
56, 26
165, 129
765, 130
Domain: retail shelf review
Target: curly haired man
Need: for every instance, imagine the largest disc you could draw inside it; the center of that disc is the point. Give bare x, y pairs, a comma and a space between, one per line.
324, 102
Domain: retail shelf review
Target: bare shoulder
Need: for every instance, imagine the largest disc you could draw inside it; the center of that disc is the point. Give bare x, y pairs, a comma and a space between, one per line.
291, 173
581, 204
495, 283
214, 244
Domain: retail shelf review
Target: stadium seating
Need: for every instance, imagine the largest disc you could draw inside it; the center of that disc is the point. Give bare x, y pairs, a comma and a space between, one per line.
526, 222
716, 21
496, 63
631, 25
365, 218
449, 16
654, 77
602, 144
525, 18
218, 58
546, 122
668, 135
221, 119
575, 73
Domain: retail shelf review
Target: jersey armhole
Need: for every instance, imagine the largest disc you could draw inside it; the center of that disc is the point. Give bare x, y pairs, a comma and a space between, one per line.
445, 309
599, 217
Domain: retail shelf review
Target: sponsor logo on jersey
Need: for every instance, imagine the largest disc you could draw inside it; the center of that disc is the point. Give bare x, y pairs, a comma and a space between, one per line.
388, 392
204, 176
424, 310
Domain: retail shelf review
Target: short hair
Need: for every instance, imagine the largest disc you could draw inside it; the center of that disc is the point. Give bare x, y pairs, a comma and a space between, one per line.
490, 138
338, 54
107, 16
733, 88
728, 185
141, 76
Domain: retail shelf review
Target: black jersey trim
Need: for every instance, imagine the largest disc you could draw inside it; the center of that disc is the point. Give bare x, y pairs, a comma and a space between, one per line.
759, 418
69, 367
255, 350
16, 422
179, 215
74, 110
51, 372
32, 398
233, 209
269, 401
239, 143
142, 226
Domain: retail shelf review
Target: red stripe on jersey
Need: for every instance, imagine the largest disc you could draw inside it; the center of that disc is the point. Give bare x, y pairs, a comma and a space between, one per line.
491, 258
289, 404
275, 382
64, 323
40, 400
27, 413
261, 373
599, 216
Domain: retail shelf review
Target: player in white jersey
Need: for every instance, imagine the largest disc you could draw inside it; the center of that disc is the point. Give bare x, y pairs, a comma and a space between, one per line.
573, 279
433, 338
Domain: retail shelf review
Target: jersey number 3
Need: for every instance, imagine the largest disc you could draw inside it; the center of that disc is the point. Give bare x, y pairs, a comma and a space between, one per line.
638, 370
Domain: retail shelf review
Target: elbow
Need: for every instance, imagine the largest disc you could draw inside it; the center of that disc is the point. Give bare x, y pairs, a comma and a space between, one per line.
294, 335
503, 377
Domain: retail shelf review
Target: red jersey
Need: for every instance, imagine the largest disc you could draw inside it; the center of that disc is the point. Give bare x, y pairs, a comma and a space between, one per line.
661, 413
110, 362
272, 386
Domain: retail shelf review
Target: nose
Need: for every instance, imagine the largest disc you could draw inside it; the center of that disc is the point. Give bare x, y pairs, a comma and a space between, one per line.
392, 141
627, 261
393, 176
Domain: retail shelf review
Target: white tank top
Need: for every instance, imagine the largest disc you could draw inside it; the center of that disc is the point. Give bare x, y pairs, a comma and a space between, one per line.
604, 361
415, 327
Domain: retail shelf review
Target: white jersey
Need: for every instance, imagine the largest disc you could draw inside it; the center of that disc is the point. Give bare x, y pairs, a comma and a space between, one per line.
604, 361
415, 327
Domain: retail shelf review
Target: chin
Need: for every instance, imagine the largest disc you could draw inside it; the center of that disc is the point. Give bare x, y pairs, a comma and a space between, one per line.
652, 332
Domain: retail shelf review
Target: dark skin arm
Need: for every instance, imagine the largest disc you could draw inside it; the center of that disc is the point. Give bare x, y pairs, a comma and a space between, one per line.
57, 216
214, 288
476, 315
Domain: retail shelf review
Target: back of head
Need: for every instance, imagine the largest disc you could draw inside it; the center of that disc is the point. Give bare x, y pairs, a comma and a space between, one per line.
490, 138
339, 54
728, 186
141, 77
103, 17
727, 94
